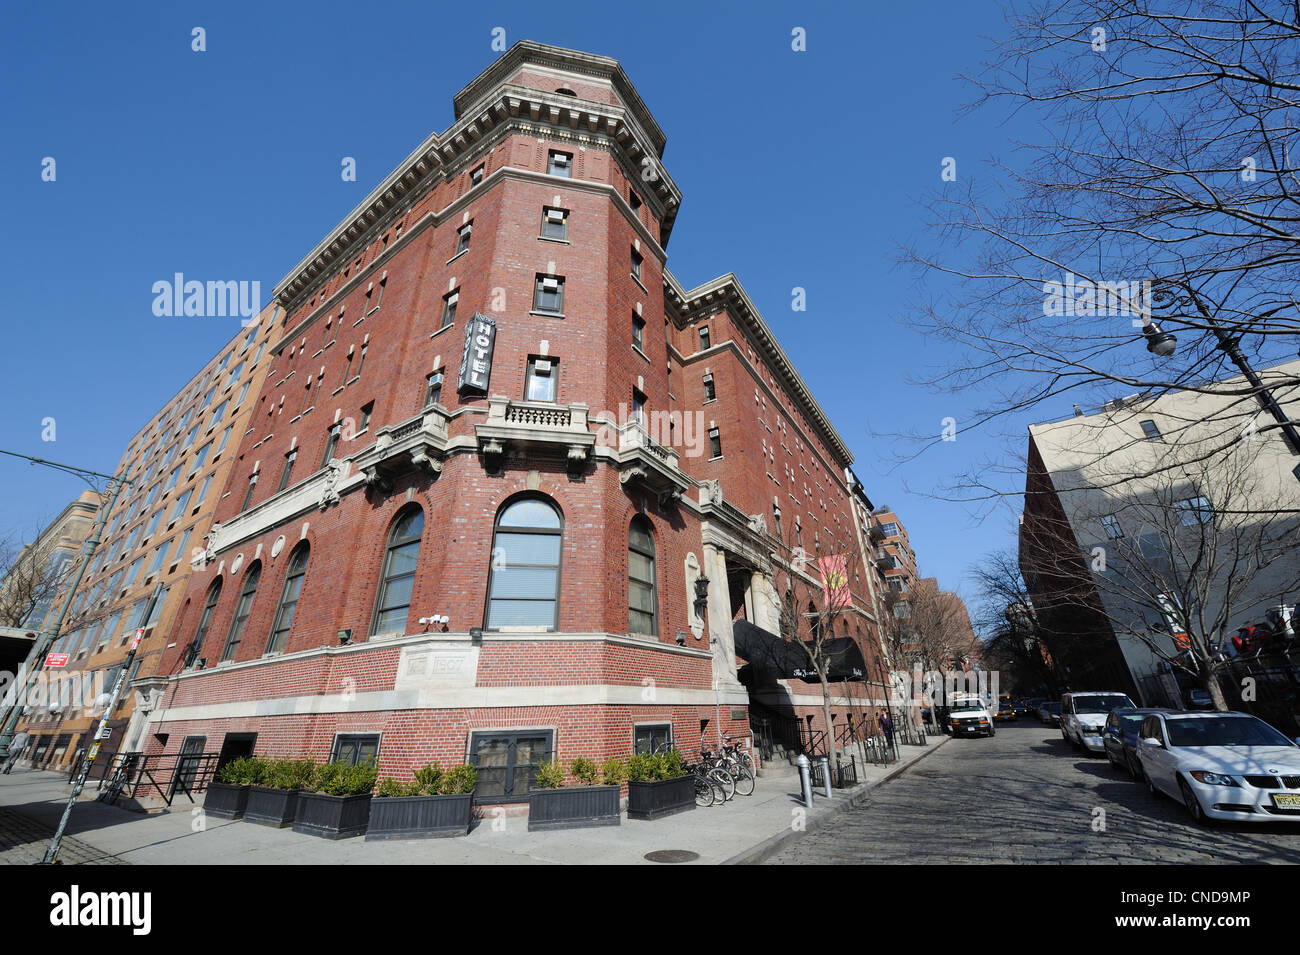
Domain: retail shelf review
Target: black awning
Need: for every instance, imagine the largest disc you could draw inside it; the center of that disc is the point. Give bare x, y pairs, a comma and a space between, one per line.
777, 659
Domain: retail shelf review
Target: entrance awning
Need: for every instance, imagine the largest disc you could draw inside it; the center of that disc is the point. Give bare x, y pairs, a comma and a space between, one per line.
773, 658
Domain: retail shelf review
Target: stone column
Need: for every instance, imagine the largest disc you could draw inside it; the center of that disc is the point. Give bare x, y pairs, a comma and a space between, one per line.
763, 597
720, 635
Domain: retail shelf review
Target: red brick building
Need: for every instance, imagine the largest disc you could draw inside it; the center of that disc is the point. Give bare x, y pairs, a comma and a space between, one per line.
499, 453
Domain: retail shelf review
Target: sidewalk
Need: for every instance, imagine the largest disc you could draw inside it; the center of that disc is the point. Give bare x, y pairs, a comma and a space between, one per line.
744, 830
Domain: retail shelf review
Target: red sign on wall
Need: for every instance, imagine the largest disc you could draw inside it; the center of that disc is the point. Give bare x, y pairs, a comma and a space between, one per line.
57, 660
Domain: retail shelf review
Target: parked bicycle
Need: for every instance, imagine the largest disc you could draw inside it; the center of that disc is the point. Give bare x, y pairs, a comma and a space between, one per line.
720, 785
739, 764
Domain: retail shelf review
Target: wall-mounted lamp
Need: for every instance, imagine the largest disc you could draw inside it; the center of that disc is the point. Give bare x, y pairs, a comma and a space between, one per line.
345, 637
476, 634
701, 595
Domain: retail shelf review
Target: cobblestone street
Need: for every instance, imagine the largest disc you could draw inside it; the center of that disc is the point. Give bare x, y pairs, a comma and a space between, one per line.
1025, 796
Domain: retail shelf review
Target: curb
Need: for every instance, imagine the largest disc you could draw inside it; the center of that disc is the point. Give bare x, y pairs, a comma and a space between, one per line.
854, 798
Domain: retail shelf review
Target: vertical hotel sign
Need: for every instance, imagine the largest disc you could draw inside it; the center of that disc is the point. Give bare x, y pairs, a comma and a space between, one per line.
476, 361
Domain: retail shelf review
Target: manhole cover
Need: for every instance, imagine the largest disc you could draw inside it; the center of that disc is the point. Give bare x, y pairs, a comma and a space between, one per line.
671, 855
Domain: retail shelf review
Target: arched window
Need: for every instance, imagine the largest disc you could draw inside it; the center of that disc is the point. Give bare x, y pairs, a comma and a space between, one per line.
205, 620
240, 621
399, 572
524, 584
288, 598
641, 578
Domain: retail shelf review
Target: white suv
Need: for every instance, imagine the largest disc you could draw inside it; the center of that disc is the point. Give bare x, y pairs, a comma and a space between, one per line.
1083, 716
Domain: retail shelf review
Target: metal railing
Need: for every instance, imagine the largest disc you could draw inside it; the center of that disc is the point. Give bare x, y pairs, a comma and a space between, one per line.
159, 775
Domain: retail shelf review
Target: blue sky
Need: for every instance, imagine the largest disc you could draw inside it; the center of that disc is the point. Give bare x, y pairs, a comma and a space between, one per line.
797, 169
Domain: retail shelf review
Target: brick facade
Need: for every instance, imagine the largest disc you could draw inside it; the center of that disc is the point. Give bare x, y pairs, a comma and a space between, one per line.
360, 333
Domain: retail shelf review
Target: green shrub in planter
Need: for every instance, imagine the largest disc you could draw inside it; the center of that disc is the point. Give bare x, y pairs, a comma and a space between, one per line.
642, 767
614, 771
428, 778
458, 780
343, 779
289, 774
672, 765
550, 774
391, 788
584, 770
244, 771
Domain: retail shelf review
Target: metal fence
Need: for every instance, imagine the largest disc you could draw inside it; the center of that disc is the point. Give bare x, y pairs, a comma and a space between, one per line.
161, 775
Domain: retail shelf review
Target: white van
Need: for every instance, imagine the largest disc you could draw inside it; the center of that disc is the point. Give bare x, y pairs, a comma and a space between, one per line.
1083, 715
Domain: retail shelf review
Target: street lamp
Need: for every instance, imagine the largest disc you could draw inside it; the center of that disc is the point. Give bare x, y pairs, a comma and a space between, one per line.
1162, 343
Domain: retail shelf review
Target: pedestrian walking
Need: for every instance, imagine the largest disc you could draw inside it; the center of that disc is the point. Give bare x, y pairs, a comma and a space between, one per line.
16, 747
887, 727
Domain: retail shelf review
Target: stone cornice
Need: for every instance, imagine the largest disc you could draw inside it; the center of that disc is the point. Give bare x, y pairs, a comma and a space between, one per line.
726, 292
509, 108
528, 52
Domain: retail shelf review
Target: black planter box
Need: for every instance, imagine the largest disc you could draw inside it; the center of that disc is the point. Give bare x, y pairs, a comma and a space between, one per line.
660, 798
575, 807
225, 801
270, 807
332, 817
420, 817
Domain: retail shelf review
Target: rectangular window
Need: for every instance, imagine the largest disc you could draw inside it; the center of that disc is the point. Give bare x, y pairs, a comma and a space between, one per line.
1195, 510
330, 444
715, 443
203, 489
559, 164
549, 294
248, 495
201, 458
704, 337
555, 223
1111, 523
476, 175
463, 237
634, 200
709, 393
540, 380
636, 265
171, 479
178, 509
218, 414
181, 544
638, 407
366, 410
638, 332
225, 436
1150, 430
507, 762
156, 563
355, 749
433, 390
449, 308
890, 529
287, 469
378, 297
652, 737
154, 522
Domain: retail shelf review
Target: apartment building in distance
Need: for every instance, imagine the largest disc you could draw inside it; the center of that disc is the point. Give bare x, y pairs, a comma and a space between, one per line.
177, 466
510, 490
38, 573
1155, 517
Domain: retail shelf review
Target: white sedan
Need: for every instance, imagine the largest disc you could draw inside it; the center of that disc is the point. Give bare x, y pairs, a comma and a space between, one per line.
1221, 765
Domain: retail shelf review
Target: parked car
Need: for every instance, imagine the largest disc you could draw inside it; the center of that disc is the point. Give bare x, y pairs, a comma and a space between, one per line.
968, 716
1083, 715
1199, 699
1050, 714
1221, 765
1120, 736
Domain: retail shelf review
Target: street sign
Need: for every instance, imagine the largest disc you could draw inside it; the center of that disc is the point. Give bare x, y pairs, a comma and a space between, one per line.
57, 659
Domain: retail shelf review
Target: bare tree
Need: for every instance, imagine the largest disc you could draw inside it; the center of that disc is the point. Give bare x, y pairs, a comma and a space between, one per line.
1012, 632
1180, 562
31, 577
928, 629
816, 605
1160, 187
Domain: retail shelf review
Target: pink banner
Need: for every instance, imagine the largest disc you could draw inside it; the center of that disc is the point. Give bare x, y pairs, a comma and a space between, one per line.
835, 581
